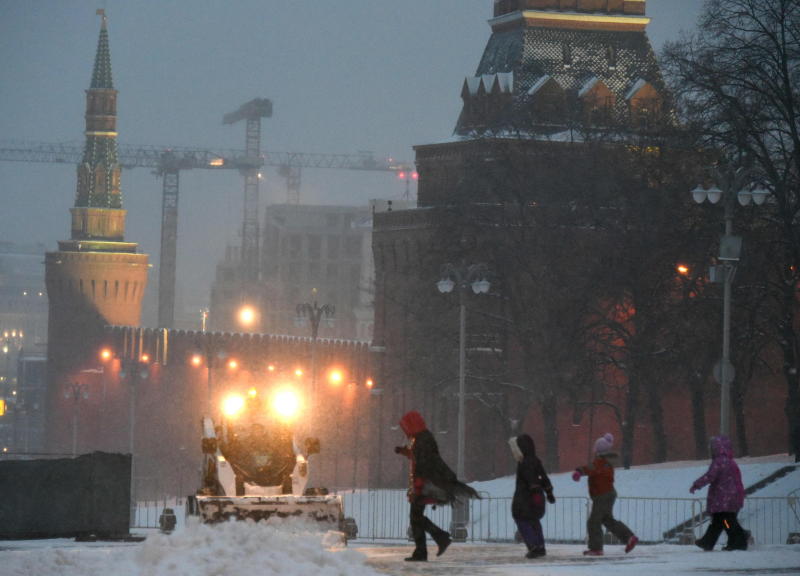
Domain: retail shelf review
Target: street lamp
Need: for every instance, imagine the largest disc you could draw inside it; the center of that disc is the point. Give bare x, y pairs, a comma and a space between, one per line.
462, 277
247, 316
735, 185
130, 368
314, 313
75, 392
209, 351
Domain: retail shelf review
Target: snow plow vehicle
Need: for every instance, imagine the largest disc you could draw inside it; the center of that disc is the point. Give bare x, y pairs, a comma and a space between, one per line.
255, 468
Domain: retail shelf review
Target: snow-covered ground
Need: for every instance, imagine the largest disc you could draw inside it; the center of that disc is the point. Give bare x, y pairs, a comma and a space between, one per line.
239, 548
293, 550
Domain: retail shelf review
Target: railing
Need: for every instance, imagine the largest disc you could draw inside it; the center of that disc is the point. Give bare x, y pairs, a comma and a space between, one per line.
383, 515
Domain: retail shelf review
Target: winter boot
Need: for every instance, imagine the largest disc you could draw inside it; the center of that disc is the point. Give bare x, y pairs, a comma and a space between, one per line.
420, 553
632, 542
700, 543
536, 552
442, 540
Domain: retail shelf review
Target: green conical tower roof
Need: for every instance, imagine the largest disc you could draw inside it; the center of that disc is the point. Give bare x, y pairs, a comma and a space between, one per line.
101, 75
99, 171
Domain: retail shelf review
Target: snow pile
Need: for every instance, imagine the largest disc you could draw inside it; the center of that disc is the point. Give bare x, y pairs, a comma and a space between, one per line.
198, 550
667, 480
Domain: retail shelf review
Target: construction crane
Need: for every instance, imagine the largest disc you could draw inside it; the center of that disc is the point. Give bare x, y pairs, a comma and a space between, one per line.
167, 163
252, 112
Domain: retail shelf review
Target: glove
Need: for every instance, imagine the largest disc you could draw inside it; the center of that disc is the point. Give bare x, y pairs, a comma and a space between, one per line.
399, 449
693, 489
576, 475
551, 498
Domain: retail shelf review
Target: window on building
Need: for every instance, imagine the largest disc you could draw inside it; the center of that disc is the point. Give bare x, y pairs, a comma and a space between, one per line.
294, 272
353, 246
314, 273
333, 247
295, 246
332, 273
611, 57
314, 247
566, 54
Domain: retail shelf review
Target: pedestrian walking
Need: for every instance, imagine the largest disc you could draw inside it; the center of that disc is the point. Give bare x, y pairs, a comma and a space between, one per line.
531, 489
725, 497
600, 474
431, 481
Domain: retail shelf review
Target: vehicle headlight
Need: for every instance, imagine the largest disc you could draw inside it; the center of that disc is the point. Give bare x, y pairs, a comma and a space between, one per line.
286, 404
233, 405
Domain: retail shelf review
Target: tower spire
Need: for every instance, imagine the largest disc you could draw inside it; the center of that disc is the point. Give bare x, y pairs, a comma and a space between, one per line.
101, 75
98, 213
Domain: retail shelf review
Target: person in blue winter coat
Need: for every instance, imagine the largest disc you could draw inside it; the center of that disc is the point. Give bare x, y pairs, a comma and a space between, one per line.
532, 486
725, 497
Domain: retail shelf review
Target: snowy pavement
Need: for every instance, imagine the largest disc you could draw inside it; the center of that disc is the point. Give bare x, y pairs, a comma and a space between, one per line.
243, 548
567, 560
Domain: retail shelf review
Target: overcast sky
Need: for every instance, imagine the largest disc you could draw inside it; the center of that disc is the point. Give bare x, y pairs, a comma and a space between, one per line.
344, 77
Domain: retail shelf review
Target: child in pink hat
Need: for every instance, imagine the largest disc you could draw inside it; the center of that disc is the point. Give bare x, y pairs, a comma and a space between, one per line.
601, 490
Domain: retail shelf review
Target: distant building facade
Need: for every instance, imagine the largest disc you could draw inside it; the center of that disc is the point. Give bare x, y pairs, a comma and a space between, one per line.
309, 253
23, 336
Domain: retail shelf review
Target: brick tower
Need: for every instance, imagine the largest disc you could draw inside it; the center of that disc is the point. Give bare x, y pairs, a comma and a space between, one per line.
95, 278
560, 83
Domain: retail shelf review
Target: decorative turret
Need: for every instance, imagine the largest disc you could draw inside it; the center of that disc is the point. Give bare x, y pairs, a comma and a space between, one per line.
554, 64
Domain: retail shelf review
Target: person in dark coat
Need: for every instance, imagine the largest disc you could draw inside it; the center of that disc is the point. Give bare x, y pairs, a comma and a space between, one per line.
431, 481
603, 494
725, 497
532, 486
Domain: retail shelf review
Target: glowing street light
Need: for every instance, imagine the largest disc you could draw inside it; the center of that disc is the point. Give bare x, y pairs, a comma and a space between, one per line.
247, 316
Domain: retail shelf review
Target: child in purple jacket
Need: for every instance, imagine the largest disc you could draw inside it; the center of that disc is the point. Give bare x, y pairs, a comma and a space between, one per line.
725, 497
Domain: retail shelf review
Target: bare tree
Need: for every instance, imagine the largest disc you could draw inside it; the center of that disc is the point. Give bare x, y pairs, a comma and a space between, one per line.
736, 82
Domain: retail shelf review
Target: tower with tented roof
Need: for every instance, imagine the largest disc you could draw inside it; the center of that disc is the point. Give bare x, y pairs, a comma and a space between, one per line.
95, 278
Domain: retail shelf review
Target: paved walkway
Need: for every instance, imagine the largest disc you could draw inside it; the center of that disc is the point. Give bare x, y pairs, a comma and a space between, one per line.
508, 559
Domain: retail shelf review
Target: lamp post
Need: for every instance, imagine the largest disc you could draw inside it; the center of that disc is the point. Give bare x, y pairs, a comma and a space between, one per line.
314, 313
735, 185
208, 351
75, 392
203, 319
130, 368
462, 277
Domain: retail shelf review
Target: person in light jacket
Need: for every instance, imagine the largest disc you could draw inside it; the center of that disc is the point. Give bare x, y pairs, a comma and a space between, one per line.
532, 487
725, 497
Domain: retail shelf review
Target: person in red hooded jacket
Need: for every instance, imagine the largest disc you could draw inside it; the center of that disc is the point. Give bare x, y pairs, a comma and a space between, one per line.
431, 481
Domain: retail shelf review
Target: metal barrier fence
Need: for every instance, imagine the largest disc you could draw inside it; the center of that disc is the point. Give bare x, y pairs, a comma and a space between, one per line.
383, 515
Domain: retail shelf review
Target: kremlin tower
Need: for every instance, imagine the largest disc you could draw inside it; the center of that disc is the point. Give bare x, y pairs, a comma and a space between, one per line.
95, 278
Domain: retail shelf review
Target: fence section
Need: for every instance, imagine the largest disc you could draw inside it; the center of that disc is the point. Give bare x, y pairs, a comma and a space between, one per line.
383, 515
